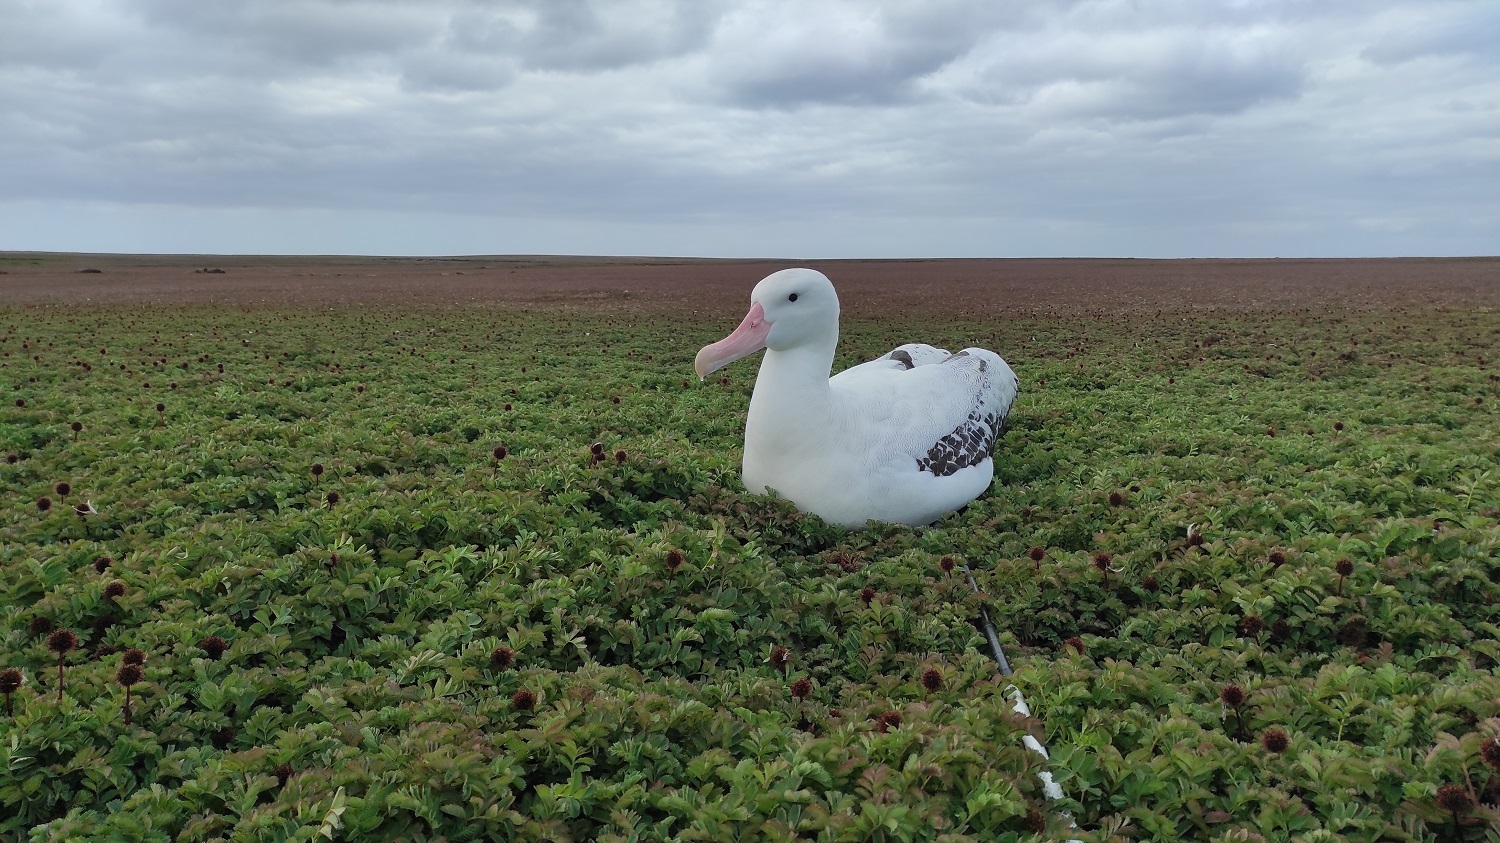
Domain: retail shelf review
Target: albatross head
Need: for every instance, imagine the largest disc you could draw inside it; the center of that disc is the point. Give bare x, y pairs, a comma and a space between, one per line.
788, 309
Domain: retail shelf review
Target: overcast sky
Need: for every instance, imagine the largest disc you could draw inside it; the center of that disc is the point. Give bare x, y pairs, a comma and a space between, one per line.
785, 128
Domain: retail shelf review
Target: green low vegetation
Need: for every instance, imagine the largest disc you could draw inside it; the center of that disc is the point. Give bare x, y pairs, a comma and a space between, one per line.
383, 587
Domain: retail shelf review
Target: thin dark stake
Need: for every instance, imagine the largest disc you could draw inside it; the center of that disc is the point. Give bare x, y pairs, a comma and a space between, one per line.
989, 628
1049, 787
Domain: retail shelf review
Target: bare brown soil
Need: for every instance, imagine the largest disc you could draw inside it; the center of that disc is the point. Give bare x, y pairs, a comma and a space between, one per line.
713, 288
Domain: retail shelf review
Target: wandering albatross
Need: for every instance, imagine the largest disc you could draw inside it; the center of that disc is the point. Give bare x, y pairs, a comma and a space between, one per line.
905, 438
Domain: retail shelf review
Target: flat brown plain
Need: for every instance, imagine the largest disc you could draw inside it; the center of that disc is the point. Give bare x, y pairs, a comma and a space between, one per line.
721, 288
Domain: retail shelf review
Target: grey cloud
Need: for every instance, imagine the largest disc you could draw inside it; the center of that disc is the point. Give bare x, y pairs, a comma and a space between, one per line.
1149, 75
56, 36
580, 35
786, 54
300, 32
1422, 34
448, 44
440, 70
911, 124
545, 34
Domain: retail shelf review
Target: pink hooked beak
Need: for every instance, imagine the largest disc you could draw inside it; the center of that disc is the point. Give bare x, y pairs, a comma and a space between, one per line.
747, 339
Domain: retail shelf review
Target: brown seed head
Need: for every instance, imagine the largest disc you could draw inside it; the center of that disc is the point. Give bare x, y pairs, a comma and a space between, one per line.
1036, 553
801, 687
213, 646
1274, 740
61, 641
1276, 558
597, 449
282, 773
1455, 799
1343, 567
1077, 644
621, 457
500, 452
1232, 696
1116, 499
502, 658
76, 426
523, 700
43, 503
1150, 583
114, 590
674, 560
780, 657
102, 563
10, 680
133, 656
887, 721
946, 564
317, 469
333, 498
1490, 752
866, 595
1252, 625
1102, 560
847, 562
129, 674
1195, 540
63, 489
932, 679
39, 625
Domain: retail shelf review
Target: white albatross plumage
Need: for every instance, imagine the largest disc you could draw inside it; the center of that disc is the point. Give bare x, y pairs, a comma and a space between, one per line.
904, 439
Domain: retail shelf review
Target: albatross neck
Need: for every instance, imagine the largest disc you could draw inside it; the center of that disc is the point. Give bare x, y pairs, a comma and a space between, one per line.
794, 381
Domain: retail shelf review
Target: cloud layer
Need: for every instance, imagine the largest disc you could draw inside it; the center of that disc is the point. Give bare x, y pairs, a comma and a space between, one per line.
764, 127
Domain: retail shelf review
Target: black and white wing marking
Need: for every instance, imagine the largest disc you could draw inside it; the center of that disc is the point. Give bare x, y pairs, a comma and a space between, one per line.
915, 354
900, 359
942, 411
991, 390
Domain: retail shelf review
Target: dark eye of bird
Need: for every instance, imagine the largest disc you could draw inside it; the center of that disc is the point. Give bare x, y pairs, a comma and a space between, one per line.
792, 297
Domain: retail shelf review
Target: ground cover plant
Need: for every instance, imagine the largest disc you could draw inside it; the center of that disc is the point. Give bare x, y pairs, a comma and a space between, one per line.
473, 573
